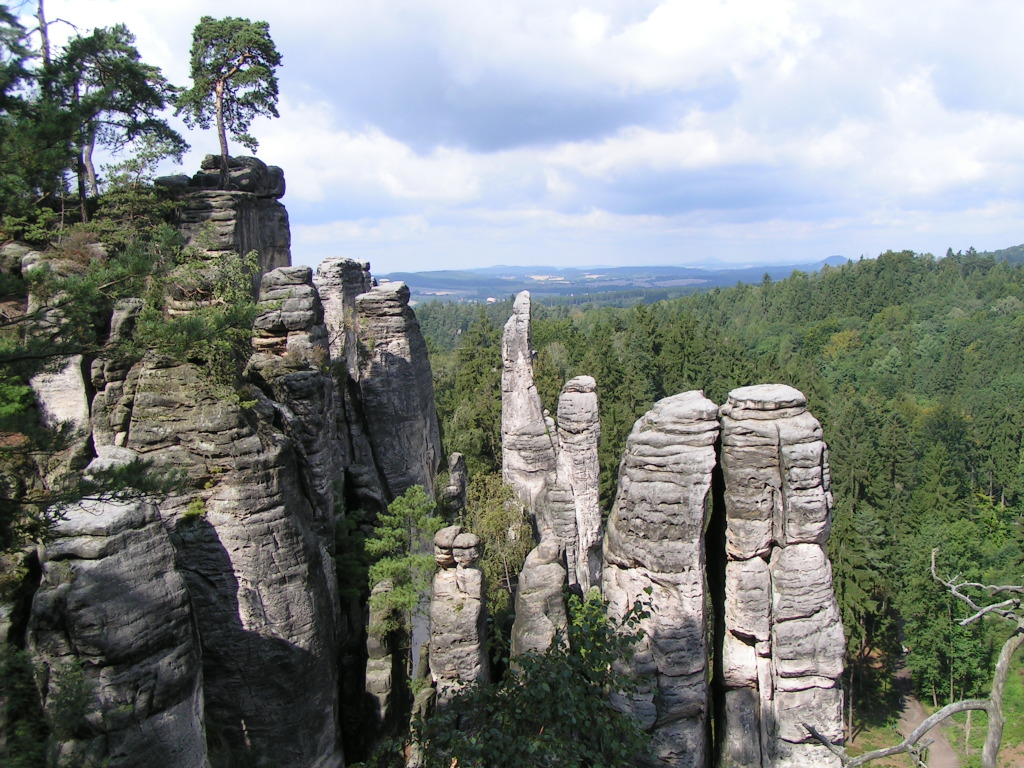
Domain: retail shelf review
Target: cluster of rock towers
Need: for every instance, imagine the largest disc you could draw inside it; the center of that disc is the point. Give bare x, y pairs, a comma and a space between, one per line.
777, 649
211, 619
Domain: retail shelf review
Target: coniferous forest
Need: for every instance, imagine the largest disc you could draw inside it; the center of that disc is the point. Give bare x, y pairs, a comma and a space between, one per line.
914, 366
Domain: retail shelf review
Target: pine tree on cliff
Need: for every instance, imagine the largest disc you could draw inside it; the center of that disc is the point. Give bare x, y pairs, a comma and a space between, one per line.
233, 80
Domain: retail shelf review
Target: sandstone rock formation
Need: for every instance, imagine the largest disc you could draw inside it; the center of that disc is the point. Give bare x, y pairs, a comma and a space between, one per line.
458, 618
554, 469
454, 496
245, 217
579, 434
527, 443
655, 541
783, 644
114, 610
339, 282
396, 387
540, 604
267, 613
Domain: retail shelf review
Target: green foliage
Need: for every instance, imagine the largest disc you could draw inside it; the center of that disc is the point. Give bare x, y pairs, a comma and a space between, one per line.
201, 310
913, 366
402, 553
495, 515
233, 63
67, 699
351, 562
551, 709
112, 97
22, 725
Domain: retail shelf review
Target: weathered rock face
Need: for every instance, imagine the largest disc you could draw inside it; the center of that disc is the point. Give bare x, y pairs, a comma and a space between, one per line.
655, 540
253, 539
783, 645
555, 472
113, 607
540, 606
527, 442
60, 391
339, 282
579, 434
396, 387
458, 619
245, 217
454, 495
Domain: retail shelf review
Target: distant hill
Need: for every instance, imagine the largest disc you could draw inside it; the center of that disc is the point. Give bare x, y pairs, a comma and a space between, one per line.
500, 282
1014, 254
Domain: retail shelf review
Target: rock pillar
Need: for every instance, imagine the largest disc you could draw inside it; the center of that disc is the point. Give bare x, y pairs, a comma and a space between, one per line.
783, 645
458, 619
111, 622
654, 553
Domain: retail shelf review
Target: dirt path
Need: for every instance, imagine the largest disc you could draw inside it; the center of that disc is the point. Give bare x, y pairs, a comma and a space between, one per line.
940, 753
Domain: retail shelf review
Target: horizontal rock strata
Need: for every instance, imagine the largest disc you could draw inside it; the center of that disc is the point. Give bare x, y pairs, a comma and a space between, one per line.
396, 387
113, 613
783, 644
458, 619
654, 553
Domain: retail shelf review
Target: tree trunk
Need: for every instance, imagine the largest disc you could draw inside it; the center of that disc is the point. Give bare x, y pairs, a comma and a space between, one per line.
221, 133
80, 172
44, 35
994, 737
967, 733
90, 169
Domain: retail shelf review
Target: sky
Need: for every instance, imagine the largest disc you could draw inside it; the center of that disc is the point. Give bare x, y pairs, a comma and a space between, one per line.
447, 134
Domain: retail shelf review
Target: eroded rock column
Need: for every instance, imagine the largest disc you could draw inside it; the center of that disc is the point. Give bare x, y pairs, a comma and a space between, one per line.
783, 644
252, 533
113, 612
655, 541
579, 434
397, 390
527, 443
458, 618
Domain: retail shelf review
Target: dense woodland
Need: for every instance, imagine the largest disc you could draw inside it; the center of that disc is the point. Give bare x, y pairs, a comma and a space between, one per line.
913, 365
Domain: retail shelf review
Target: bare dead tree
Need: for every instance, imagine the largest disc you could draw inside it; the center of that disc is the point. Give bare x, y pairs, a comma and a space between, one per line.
1010, 598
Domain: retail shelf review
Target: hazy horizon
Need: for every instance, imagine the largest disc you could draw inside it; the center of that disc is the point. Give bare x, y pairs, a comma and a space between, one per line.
429, 134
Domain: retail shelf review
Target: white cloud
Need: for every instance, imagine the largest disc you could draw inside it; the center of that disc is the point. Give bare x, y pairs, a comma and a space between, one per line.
675, 128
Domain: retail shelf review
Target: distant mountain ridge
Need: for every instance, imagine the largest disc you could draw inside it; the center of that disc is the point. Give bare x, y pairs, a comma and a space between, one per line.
499, 282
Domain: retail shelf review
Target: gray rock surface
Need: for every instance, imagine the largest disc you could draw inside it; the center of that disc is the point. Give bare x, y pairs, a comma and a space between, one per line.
528, 459
113, 606
783, 645
454, 495
458, 619
339, 281
253, 539
655, 541
540, 607
397, 390
246, 217
579, 435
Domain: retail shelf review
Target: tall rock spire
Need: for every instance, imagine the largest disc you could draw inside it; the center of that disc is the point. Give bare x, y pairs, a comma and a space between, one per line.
527, 444
782, 653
